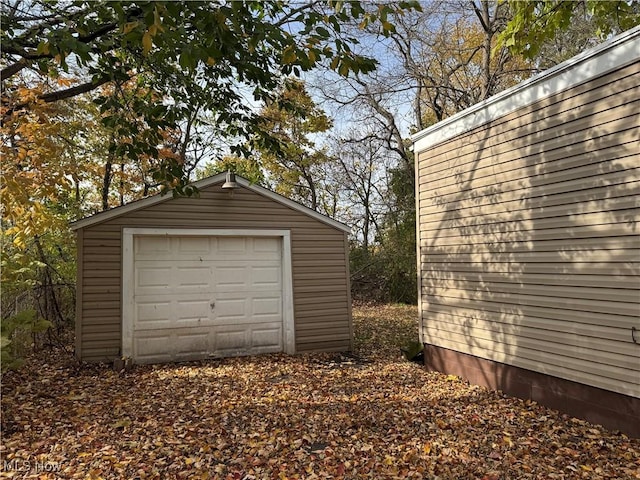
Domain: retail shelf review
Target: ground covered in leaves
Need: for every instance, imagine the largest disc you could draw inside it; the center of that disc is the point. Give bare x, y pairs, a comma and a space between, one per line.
370, 415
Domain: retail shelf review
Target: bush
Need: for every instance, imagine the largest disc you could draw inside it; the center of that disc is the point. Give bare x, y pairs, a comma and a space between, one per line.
16, 336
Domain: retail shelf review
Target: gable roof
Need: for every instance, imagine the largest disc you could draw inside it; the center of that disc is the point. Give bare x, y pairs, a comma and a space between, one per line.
610, 55
201, 184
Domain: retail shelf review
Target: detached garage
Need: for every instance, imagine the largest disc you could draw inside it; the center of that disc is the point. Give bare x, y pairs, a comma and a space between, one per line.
230, 272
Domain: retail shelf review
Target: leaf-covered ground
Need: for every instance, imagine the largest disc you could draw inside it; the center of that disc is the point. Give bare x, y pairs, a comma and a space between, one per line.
372, 415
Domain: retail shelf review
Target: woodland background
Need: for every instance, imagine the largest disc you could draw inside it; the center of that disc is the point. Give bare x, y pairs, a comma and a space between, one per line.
106, 103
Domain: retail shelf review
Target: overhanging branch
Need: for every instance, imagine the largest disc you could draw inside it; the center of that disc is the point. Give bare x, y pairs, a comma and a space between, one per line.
59, 95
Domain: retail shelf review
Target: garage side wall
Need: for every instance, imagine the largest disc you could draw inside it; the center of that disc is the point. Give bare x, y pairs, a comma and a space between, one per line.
528, 237
319, 267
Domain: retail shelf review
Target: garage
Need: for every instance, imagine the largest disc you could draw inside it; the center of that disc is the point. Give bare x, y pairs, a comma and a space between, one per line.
219, 274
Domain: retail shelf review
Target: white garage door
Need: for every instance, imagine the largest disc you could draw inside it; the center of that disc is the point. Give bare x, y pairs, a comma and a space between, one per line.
199, 296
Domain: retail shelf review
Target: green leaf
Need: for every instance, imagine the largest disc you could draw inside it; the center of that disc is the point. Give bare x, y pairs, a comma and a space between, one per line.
41, 325
323, 32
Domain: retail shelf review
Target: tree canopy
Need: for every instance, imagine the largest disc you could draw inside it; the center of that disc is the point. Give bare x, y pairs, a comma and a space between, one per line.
535, 22
222, 55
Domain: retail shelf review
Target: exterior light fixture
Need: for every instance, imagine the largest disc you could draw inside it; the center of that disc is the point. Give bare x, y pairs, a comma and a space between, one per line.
230, 183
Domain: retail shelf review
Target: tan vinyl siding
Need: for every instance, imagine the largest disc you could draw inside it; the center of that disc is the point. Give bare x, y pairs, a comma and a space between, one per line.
318, 255
528, 236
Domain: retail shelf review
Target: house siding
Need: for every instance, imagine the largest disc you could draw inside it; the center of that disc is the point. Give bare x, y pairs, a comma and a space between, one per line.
528, 236
319, 266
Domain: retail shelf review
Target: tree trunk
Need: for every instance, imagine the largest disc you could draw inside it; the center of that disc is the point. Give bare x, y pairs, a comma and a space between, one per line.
121, 188
106, 184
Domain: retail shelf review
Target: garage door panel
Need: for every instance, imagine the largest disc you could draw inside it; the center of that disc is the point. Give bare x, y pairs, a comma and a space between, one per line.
192, 276
219, 261
165, 280
232, 245
266, 244
174, 311
267, 337
266, 277
191, 311
236, 340
196, 344
248, 307
231, 309
265, 306
247, 277
195, 245
231, 339
249, 247
231, 277
173, 345
152, 247
153, 277
150, 349
166, 248
153, 315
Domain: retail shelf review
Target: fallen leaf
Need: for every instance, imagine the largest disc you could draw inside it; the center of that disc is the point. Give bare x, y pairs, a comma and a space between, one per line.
368, 414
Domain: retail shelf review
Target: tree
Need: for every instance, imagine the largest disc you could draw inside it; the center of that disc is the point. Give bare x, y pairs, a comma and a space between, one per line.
155, 80
362, 166
438, 61
247, 49
535, 22
293, 118
248, 168
456, 63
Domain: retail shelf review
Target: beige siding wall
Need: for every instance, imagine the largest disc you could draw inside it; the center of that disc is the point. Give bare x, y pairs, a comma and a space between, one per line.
529, 236
319, 266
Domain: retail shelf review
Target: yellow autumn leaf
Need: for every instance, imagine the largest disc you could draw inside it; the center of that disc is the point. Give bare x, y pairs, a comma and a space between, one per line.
147, 42
125, 422
157, 20
128, 27
289, 55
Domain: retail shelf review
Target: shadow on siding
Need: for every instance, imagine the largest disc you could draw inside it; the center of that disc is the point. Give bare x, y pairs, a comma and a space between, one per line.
544, 281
